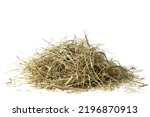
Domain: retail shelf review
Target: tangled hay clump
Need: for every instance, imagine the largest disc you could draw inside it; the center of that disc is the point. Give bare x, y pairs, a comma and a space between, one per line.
76, 65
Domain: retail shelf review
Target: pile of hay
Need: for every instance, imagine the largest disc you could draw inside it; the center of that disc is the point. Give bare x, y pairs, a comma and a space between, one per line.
76, 65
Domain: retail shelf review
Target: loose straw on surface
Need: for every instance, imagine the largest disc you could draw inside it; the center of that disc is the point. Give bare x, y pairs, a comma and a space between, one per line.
76, 65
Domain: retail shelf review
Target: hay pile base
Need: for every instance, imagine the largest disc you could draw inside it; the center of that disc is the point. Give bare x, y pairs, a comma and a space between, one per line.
76, 65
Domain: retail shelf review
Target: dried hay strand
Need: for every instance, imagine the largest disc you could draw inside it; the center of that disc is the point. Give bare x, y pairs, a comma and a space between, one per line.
76, 65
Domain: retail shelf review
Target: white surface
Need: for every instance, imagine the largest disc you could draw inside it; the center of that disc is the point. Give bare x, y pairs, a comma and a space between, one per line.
122, 26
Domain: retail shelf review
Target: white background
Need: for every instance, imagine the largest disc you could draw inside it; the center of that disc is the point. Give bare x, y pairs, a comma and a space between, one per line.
123, 26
